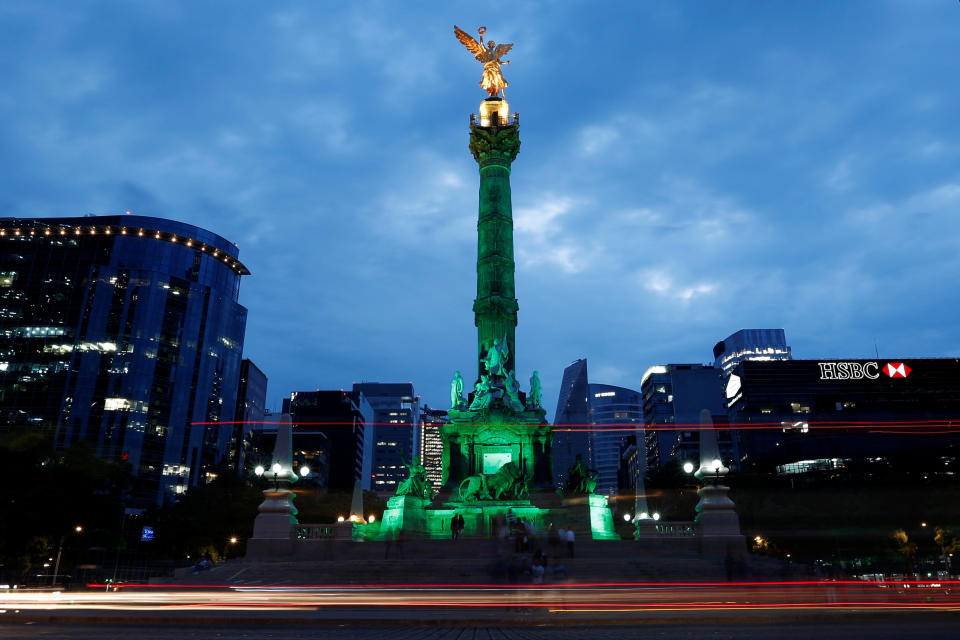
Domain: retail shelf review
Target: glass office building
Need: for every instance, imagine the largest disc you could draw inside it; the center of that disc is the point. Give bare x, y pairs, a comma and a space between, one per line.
750, 344
396, 432
611, 407
826, 415
122, 332
673, 397
570, 433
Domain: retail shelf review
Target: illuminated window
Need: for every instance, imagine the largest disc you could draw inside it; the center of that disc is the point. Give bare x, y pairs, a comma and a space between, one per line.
116, 404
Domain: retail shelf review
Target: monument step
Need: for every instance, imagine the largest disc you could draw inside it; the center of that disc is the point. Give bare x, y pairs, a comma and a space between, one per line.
364, 563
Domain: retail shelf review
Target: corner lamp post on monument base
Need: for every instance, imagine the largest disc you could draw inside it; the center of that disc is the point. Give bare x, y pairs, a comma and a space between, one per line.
274, 530
717, 524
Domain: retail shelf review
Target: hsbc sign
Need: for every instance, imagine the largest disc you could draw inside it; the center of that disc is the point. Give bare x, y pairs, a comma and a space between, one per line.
861, 370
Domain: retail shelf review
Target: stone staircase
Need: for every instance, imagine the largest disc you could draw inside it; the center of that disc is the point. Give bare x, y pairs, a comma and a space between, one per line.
473, 562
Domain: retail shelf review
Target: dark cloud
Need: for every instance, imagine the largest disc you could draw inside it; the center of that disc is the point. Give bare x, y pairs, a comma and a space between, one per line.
685, 171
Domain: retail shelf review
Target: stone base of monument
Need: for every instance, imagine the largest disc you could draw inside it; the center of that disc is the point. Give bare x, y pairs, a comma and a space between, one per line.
406, 514
717, 524
274, 527
588, 516
479, 518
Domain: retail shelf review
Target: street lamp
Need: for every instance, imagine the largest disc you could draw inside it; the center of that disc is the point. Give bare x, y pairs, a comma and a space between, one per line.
56, 566
304, 471
688, 467
276, 468
716, 465
626, 517
232, 540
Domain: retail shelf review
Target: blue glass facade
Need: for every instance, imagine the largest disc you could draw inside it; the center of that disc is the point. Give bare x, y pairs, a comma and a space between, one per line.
121, 331
570, 437
750, 344
617, 407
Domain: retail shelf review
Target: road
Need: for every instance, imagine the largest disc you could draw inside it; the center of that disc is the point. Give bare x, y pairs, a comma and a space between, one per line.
905, 629
817, 608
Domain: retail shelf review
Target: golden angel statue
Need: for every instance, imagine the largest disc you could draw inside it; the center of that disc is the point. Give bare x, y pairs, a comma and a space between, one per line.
492, 81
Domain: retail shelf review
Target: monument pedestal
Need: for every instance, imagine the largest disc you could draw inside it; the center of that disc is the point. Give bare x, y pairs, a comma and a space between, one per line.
404, 513
589, 515
273, 530
718, 528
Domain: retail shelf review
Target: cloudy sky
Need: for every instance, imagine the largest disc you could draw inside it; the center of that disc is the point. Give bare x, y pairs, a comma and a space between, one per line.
688, 169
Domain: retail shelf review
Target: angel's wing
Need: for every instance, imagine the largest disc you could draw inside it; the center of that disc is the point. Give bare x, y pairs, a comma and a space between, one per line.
502, 50
472, 45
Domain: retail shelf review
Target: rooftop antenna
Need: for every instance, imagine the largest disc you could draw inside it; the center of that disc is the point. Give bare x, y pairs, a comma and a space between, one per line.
875, 349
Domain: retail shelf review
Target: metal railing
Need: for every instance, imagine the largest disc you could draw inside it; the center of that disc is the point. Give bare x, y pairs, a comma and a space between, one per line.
332, 531
315, 531
494, 120
676, 529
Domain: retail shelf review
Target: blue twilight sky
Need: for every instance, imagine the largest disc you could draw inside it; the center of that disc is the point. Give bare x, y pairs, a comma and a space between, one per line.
688, 169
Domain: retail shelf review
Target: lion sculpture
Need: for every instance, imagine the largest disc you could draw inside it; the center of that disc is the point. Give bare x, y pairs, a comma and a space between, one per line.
507, 483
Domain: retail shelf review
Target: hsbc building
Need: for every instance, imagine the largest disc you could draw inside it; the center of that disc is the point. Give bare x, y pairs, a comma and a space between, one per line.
800, 415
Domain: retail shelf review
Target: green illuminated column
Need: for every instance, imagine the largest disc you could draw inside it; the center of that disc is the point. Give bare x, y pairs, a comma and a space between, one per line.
494, 142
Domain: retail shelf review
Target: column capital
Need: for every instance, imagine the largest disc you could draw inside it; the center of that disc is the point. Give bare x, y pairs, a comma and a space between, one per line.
495, 146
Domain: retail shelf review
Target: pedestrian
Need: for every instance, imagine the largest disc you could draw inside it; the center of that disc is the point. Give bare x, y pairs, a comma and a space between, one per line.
570, 539
537, 571
500, 525
553, 539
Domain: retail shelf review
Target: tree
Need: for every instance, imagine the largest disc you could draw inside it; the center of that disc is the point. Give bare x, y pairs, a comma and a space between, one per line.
904, 547
947, 543
48, 494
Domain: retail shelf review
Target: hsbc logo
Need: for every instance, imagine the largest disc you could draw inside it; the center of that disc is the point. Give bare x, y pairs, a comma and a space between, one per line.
897, 370
861, 370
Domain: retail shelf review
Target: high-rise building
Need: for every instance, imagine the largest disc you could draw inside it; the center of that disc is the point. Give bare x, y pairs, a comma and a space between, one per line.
251, 408
570, 422
750, 344
396, 418
825, 415
673, 397
611, 407
431, 444
123, 332
330, 429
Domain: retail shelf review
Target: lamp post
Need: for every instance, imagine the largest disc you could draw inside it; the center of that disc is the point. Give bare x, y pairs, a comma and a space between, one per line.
277, 468
56, 566
232, 540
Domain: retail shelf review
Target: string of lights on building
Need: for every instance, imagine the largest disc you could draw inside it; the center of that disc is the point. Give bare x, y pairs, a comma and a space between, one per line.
141, 232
